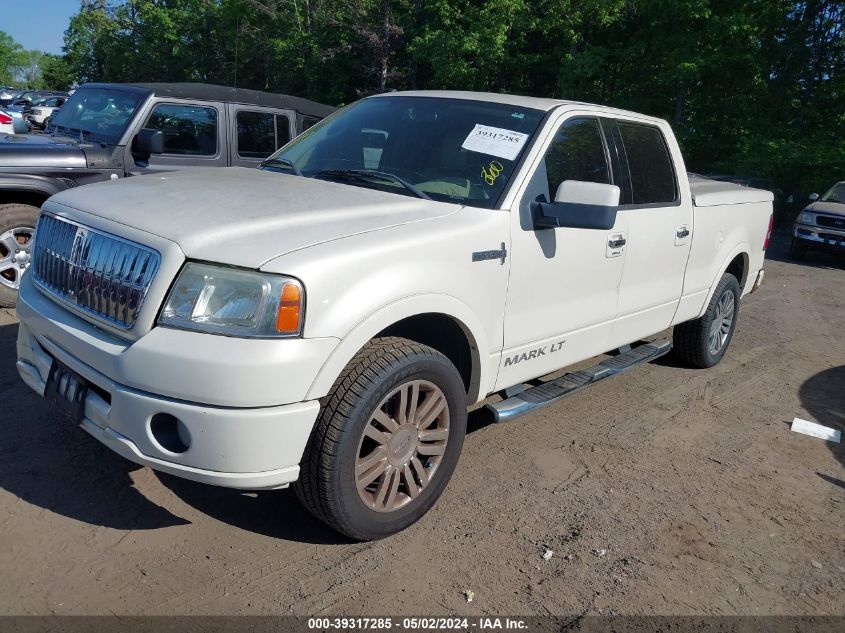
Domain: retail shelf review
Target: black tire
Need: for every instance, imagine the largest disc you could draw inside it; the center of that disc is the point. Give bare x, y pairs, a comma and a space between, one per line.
691, 340
327, 483
797, 250
13, 216
46, 123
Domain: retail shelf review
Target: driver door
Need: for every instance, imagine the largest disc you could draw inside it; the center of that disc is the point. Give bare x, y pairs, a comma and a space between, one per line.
564, 286
193, 137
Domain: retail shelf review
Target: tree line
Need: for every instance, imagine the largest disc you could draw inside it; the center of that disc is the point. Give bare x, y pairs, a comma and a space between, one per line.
32, 69
752, 87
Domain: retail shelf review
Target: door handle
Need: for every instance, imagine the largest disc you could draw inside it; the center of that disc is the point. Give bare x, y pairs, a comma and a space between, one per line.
682, 232
619, 242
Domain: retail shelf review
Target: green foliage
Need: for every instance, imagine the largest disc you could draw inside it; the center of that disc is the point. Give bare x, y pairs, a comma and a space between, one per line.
12, 58
56, 72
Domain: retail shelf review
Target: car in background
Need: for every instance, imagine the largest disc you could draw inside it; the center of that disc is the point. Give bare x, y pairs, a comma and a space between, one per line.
7, 92
42, 111
19, 122
7, 123
821, 225
24, 100
20, 99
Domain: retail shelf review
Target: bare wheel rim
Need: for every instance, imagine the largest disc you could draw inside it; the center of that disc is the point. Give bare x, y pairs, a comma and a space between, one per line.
15, 255
720, 329
402, 446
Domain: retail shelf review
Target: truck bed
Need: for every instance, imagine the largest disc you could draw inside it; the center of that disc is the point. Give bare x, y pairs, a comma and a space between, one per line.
711, 193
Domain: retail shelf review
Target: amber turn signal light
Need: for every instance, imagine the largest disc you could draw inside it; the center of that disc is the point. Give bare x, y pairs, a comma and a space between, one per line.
290, 309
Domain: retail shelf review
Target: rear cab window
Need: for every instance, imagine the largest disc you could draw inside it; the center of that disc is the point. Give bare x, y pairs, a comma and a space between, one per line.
650, 166
259, 134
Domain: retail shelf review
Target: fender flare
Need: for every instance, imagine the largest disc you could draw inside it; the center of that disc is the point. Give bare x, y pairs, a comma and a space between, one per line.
46, 185
743, 249
390, 314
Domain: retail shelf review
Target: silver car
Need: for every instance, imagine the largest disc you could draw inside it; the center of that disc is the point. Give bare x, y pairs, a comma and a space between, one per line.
821, 225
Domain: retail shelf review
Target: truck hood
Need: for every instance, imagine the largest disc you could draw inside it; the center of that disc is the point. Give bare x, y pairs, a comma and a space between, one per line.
29, 150
246, 217
831, 208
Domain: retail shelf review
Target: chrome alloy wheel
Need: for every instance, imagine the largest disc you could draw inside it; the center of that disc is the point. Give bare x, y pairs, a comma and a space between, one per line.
402, 446
720, 328
15, 255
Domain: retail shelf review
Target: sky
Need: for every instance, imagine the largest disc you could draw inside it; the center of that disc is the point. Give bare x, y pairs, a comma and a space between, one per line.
37, 25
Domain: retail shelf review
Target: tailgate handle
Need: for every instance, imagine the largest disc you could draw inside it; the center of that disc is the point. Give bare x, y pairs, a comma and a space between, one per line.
682, 232
619, 242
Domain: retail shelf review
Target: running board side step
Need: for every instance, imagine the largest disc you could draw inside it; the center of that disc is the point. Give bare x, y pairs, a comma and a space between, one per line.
557, 389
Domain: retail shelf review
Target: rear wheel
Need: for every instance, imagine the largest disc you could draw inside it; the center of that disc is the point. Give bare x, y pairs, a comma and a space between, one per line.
17, 231
704, 341
387, 440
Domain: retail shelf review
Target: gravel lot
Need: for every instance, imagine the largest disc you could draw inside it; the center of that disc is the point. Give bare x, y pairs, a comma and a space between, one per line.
665, 491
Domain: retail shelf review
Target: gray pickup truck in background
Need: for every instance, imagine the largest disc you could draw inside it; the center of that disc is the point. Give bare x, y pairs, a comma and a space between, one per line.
109, 131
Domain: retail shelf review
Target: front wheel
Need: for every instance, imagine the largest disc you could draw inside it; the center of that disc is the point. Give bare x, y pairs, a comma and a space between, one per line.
387, 440
704, 341
17, 231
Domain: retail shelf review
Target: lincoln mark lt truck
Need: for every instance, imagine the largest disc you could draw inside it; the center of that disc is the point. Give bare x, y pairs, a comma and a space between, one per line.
325, 320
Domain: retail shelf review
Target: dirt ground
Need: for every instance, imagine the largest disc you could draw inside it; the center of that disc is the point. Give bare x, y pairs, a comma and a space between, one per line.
665, 491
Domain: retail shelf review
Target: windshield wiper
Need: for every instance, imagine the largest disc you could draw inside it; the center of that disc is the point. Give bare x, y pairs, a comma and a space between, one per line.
78, 133
284, 162
365, 175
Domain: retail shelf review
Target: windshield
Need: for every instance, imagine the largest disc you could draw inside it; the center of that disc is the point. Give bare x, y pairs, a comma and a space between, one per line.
835, 194
96, 114
451, 150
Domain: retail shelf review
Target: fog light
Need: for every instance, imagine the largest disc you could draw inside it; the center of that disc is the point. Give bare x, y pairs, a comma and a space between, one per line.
170, 433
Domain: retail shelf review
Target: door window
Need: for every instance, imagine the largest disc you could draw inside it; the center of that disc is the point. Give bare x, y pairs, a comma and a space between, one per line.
261, 133
576, 153
649, 163
188, 130
309, 121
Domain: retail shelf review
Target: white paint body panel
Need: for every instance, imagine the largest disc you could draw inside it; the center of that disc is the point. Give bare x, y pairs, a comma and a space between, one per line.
367, 260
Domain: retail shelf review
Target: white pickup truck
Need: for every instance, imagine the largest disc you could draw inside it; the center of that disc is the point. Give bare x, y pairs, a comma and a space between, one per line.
326, 320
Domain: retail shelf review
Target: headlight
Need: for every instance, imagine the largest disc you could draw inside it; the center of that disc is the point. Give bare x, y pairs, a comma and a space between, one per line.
234, 302
806, 218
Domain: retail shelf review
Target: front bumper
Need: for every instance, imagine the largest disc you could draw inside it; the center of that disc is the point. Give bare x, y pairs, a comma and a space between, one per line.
819, 237
234, 439
252, 449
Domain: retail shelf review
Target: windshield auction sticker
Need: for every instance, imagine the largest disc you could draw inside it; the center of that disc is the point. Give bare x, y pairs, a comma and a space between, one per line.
494, 141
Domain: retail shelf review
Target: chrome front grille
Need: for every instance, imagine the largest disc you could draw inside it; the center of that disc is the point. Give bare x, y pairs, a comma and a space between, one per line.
99, 274
833, 221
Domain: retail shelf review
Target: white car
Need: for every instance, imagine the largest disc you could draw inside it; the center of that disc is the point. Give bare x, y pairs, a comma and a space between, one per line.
43, 110
326, 320
7, 123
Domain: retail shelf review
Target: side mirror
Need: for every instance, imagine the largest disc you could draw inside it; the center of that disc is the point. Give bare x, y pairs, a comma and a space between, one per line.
148, 141
579, 205
813, 197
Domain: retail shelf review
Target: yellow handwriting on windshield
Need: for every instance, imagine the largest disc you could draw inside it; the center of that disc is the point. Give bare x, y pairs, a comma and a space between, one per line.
492, 171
